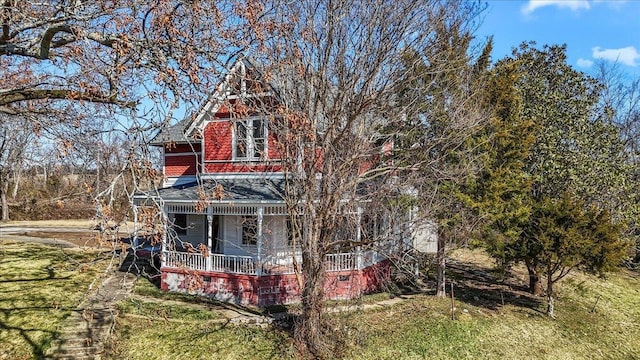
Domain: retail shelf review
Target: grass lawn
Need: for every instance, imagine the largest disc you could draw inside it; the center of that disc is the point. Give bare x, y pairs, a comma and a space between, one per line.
39, 287
596, 318
69, 224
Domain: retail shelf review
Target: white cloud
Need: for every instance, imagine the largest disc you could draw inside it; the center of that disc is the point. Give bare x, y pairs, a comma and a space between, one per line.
573, 5
585, 63
626, 55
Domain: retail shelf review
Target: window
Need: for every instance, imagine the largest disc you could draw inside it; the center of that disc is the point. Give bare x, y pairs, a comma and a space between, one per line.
250, 139
180, 224
372, 227
250, 230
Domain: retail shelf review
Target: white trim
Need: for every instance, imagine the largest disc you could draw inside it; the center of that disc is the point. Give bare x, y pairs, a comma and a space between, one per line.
249, 96
181, 154
170, 181
164, 172
213, 104
243, 175
251, 141
202, 154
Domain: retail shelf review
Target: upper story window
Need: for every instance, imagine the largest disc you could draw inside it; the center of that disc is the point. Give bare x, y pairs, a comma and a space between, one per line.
250, 140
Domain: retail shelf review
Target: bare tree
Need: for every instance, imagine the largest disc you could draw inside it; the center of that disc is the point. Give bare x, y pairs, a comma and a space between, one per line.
15, 138
337, 67
131, 63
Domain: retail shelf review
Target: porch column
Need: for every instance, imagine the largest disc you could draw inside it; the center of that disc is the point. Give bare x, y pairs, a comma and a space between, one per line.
358, 239
259, 240
134, 238
209, 263
165, 230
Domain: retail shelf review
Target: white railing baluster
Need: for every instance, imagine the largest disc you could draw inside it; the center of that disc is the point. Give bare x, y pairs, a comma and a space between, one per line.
281, 263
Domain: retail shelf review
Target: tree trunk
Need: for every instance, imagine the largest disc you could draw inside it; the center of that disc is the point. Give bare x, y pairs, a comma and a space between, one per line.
4, 187
310, 325
535, 284
442, 264
16, 184
550, 307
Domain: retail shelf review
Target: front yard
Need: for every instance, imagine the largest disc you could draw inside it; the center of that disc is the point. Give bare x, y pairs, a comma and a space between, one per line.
597, 318
39, 287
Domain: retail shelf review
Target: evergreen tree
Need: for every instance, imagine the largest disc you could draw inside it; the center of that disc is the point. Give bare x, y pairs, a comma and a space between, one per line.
554, 173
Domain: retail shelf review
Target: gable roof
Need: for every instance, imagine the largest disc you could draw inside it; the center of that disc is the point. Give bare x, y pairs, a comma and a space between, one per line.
173, 134
182, 132
228, 89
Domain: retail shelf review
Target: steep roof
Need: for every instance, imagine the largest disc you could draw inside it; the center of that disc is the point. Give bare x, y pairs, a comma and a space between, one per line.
173, 134
234, 85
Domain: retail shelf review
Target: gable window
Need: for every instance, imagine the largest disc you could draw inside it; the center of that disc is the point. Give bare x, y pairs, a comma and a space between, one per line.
250, 140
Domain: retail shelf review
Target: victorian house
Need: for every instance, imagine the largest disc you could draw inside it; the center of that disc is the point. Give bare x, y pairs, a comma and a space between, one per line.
226, 232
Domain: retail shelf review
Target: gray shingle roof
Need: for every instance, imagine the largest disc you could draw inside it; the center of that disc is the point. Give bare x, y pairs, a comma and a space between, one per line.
234, 190
174, 134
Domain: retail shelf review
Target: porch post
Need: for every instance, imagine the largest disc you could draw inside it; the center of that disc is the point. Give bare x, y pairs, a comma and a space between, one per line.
134, 238
259, 240
358, 239
165, 230
209, 237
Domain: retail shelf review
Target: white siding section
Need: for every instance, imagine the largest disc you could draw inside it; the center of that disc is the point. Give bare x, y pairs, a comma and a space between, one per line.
195, 229
274, 234
178, 180
232, 238
425, 238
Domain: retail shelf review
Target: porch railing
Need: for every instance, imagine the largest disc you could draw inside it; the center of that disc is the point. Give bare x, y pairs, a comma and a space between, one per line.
277, 264
233, 264
175, 259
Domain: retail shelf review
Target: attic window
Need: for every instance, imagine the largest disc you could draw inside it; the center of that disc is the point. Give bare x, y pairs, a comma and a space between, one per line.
250, 140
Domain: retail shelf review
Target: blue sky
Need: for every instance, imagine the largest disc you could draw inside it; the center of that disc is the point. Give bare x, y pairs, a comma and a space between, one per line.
594, 30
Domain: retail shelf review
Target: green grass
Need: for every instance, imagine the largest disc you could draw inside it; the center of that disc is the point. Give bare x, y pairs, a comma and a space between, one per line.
159, 325
596, 318
39, 287
165, 339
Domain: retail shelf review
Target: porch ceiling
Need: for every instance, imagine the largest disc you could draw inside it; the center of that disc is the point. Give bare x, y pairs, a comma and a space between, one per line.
243, 190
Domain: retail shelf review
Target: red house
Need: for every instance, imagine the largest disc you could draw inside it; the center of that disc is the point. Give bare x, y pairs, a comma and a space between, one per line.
226, 232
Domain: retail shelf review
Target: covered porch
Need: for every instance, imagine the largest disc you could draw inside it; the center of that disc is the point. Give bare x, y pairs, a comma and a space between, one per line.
239, 247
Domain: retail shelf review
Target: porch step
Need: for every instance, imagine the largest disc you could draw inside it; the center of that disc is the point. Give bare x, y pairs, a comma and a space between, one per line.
83, 334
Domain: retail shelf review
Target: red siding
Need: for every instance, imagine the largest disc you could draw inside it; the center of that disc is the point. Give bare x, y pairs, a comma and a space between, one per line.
217, 141
218, 152
180, 165
181, 148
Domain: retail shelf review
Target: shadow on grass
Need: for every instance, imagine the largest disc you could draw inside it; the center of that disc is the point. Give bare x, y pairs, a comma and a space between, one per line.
28, 304
478, 286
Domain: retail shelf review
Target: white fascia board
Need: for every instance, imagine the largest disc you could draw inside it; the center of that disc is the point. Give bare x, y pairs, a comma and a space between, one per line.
243, 175
213, 104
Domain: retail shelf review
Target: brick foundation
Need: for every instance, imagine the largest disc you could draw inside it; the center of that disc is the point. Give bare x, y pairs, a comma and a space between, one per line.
271, 289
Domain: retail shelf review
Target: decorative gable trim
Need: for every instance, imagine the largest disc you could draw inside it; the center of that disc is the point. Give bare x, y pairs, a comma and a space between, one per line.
224, 92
